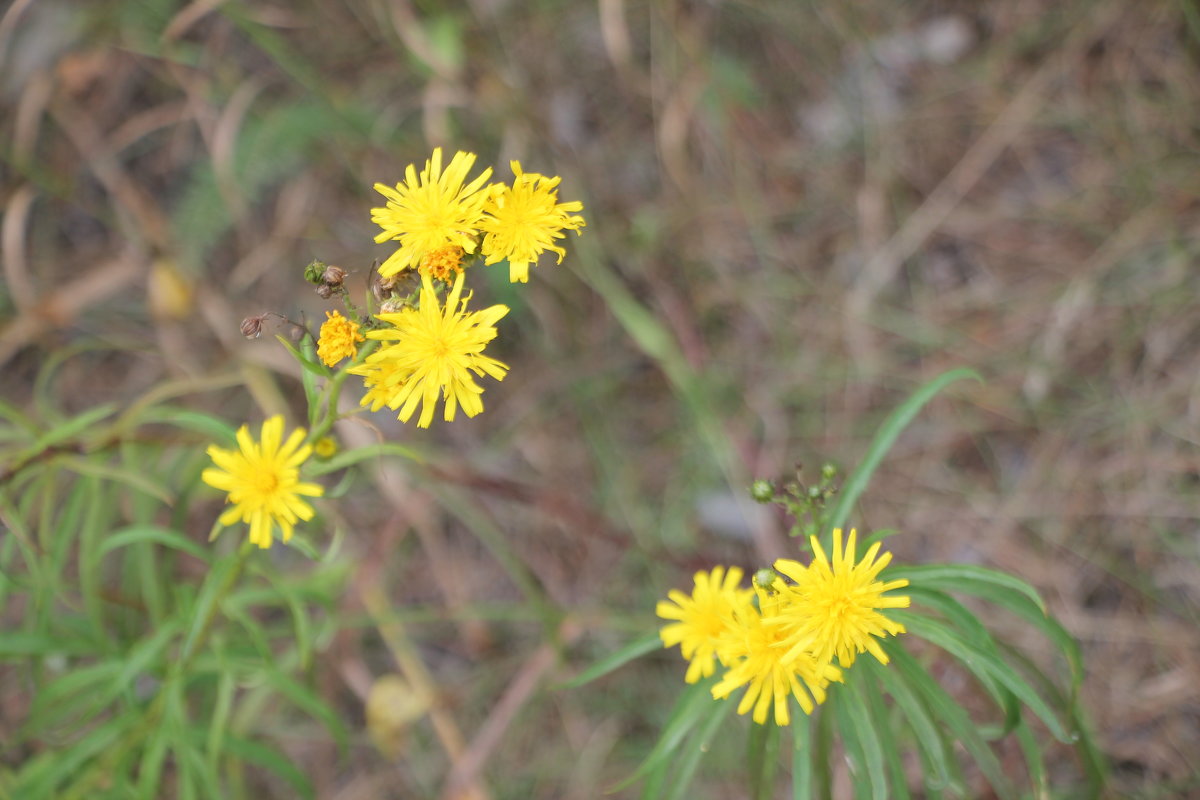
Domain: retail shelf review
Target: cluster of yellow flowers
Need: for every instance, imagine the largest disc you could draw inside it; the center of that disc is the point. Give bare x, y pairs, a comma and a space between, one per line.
430, 349
440, 217
780, 639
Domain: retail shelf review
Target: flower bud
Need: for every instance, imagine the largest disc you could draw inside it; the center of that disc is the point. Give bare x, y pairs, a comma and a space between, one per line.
762, 491
315, 271
325, 291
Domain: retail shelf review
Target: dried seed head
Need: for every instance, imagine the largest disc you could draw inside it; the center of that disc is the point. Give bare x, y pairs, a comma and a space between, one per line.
325, 291
252, 326
333, 276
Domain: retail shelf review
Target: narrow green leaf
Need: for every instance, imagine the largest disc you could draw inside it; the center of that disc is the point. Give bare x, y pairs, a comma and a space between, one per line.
216, 583
636, 649
309, 366
80, 692
966, 623
866, 757
153, 534
1032, 750
931, 745
802, 758
360, 454
308, 701
966, 578
207, 425
72, 427
222, 708
762, 758
1000, 589
150, 768
948, 712
257, 753
862, 780
142, 655
40, 776
977, 659
886, 436
131, 478
695, 750
19, 644
693, 705
880, 723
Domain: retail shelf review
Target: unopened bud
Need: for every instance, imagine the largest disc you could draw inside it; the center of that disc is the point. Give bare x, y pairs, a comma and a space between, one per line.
762, 491
315, 271
252, 326
325, 291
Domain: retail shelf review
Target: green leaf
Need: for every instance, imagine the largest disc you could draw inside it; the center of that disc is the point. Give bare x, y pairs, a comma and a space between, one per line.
866, 755
866, 687
802, 758
207, 425
1003, 590
359, 454
891, 429
762, 758
696, 749
307, 700
694, 705
946, 710
311, 367
931, 744
20, 645
979, 661
40, 776
153, 534
131, 478
220, 576
966, 578
72, 427
614, 661
262, 755
969, 626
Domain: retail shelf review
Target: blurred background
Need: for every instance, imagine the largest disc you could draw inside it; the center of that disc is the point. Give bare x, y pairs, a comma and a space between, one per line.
797, 212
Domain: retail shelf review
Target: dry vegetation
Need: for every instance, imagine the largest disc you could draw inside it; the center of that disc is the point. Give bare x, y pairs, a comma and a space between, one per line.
796, 213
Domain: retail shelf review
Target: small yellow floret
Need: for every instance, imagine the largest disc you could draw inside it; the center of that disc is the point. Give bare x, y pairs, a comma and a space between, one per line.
338, 340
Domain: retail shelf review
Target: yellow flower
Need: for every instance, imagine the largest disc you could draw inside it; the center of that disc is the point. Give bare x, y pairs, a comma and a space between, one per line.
435, 351
382, 380
835, 607
703, 618
263, 481
522, 222
770, 673
443, 263
338, 339
326, 447
432, 210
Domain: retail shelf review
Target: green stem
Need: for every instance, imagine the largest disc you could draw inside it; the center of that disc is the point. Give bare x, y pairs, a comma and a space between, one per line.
333, 391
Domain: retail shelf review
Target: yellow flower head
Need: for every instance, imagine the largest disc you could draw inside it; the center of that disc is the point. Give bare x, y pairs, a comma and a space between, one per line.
835, 606
326, 447
263, 481
770, 673
443, 263
703, 618
522, 222
382, 380
431, 210
435, 350
338, 339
